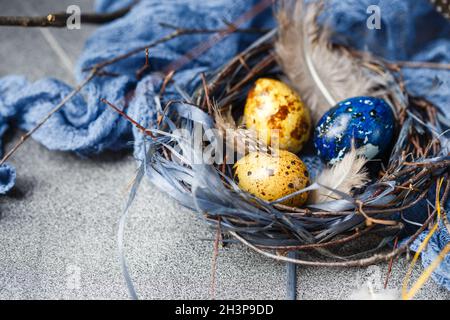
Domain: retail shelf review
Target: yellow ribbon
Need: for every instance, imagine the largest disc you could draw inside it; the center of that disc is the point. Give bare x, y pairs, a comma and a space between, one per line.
408, 295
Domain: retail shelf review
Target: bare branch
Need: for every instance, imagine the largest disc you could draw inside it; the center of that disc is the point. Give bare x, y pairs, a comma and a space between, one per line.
59, 20
58, 107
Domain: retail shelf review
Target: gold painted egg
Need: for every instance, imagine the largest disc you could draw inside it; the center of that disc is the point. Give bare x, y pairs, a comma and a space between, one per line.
277, 114
271, 177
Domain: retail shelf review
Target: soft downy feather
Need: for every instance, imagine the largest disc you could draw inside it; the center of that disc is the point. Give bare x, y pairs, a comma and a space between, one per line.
343, 176
321, 73
235, 136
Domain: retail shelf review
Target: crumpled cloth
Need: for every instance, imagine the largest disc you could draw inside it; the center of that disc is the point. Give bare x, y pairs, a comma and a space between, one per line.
437, 242
85, 125
411, 30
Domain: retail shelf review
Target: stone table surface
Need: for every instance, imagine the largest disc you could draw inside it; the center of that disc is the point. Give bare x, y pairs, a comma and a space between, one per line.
58, 227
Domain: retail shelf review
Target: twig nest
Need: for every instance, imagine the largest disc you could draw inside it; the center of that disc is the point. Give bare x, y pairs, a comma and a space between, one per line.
278, 115
366, 122
271, 177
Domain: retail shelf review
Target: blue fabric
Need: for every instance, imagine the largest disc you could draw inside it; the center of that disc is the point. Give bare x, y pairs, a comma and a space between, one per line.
87, 126
411, 30
436, 244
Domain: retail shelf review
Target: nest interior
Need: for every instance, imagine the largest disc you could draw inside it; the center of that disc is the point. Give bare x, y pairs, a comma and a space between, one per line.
357, 233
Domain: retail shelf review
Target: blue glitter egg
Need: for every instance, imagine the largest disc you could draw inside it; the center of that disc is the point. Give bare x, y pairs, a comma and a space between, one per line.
367, 121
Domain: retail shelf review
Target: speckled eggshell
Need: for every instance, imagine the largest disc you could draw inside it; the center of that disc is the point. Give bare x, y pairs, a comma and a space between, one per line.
271, 177
367, 121
275, 111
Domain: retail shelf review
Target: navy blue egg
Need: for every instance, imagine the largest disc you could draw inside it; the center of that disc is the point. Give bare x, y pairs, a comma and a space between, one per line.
367, 121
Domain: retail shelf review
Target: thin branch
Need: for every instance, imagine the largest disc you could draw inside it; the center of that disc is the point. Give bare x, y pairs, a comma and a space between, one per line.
391, 263
144, 68
370, 220
350, 263
166, 81
422, 64
397, 65
59, 20
43, 120
334, 243
176, 33
135, 51
97, 69
127, 117
207, 101
232, 27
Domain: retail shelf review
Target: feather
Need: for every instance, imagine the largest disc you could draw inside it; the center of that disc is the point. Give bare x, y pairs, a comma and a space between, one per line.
236, 137
368, 292
322, 74
343, 176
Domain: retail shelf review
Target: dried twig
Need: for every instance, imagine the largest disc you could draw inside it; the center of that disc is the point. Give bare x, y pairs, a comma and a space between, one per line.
166, 81
218, 30
351, 263
206, 101
144, 68
423, 64
135, 51
176, 33
328, 244
53, 111
370, 221
391, 263
59, 20
96, 70
397, 65
128, 118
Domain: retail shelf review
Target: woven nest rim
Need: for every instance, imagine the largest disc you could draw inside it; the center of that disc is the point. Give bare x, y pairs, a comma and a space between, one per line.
272, 229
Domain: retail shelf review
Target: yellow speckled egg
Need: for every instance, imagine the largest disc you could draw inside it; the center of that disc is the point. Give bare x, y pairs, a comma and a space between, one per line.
276, 112
271, 177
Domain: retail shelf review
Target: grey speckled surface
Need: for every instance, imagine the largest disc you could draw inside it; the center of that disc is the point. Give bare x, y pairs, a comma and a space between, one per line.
58, 227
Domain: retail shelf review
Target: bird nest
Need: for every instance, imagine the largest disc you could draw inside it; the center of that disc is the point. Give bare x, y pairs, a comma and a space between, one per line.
352, 229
